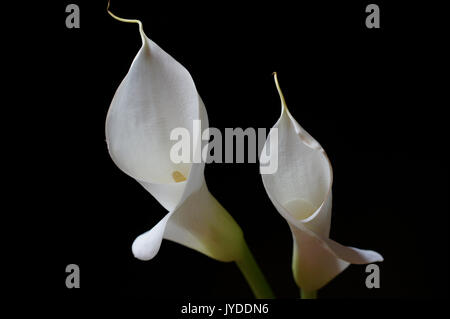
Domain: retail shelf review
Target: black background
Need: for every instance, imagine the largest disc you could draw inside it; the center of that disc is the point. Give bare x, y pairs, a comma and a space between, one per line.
370, 97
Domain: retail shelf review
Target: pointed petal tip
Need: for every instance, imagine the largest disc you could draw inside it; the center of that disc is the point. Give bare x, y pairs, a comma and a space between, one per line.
378, 257
373, 257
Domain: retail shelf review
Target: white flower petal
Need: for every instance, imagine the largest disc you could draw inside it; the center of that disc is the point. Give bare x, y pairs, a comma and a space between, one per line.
156, 96
301, 192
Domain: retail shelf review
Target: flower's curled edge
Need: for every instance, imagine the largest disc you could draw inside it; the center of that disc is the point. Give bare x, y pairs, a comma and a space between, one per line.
301, 192
157, 95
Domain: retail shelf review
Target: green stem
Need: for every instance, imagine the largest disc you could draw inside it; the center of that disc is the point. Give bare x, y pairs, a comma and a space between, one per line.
308, 294
252, 273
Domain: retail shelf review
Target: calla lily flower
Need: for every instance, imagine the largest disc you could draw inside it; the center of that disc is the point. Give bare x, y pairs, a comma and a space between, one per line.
156, 96
300, 190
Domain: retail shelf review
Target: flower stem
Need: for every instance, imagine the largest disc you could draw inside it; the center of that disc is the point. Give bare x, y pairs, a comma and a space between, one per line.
308, 294
252, 273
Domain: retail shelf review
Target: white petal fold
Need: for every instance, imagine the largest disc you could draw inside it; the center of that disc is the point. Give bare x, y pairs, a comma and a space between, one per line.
301, 192
156, 96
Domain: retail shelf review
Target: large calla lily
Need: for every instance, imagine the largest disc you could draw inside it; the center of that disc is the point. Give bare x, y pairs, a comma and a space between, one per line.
301, 192
155, 97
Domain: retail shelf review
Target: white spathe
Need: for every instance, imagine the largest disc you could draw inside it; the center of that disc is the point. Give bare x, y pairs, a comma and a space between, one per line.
301, 192
156, 96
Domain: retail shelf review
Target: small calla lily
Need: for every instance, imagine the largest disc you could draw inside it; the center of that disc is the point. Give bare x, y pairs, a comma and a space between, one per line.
156, 96
301, 192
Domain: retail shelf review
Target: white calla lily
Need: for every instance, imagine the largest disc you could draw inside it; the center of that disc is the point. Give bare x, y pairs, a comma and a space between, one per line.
301, 192
157, 96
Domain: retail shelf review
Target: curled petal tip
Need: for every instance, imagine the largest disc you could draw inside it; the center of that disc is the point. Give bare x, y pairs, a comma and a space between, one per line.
141, 252
141, 30
147, 245
280, 93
